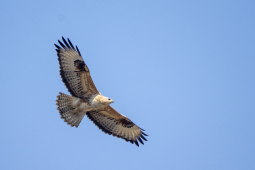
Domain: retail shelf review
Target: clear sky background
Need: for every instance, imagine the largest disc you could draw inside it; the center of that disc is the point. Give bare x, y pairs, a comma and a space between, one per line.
181, 70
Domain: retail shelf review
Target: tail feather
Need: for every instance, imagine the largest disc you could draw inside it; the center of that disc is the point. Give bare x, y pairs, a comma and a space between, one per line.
67, 111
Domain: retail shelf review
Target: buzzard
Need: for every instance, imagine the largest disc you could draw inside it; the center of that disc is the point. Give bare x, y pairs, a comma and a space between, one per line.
87, 100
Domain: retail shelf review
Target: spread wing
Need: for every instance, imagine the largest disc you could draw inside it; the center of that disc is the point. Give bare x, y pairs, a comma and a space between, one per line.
116, 124
73, 70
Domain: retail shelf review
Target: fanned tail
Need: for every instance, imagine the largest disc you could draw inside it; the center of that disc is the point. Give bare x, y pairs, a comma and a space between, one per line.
67, 111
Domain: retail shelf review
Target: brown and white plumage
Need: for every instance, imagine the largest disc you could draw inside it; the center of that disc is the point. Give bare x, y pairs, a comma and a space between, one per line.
86, 99
74, 72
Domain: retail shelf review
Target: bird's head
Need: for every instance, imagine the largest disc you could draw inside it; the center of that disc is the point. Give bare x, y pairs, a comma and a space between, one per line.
106, 100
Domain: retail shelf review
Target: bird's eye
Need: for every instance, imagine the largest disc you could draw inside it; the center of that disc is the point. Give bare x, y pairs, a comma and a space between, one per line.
109, 99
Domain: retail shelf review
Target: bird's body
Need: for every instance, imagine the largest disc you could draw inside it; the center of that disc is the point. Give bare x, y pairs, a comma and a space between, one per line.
95, 102
86, 99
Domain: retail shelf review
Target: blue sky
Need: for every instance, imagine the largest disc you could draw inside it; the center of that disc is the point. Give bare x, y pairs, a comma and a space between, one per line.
181, 70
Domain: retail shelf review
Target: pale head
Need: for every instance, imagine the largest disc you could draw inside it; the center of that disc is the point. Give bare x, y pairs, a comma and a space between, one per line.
107, 100
104, 100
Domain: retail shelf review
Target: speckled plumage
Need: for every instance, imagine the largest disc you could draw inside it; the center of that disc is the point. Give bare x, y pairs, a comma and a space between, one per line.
86, 99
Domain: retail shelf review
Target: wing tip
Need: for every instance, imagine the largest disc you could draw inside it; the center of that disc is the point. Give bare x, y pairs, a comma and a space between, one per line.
137, 144
67, 45
140, 140
144, 134
77, 49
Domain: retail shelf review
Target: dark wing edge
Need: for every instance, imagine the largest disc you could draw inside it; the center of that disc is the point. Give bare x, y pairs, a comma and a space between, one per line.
108, 126
66, 46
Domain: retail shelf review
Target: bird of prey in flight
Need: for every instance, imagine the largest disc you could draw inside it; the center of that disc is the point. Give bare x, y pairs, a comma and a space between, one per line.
85, 99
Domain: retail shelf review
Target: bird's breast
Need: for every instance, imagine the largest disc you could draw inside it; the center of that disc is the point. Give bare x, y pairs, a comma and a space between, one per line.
89, 104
